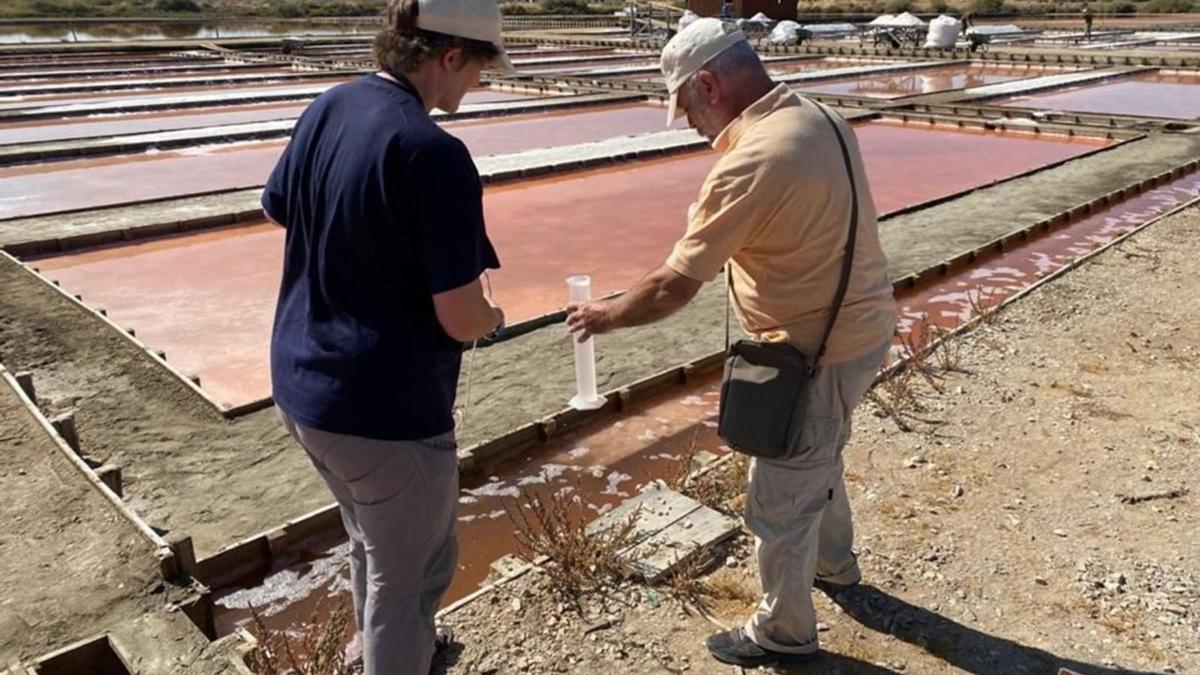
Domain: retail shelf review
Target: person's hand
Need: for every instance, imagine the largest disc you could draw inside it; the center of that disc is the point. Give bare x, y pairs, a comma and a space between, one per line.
585, 319
499, 322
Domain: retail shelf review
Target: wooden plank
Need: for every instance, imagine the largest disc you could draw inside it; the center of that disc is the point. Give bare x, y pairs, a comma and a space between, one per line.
657, 507
670, 529
680, 542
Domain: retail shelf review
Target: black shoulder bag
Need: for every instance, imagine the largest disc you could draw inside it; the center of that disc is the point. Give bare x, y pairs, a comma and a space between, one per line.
764, 394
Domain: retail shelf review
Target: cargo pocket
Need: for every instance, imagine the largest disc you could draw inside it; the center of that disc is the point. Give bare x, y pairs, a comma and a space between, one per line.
816, 441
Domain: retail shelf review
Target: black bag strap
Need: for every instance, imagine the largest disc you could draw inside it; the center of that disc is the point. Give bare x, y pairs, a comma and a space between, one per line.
847, 256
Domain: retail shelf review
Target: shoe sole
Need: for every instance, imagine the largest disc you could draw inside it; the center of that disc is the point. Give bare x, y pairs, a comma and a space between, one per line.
774, 659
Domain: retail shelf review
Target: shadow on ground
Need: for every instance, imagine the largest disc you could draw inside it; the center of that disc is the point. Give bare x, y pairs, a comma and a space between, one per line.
965, 648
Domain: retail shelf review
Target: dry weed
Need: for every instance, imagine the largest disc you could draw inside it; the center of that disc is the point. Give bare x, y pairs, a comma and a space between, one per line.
728, 586
685, 583
949, 355
552, 524
318, 650
719, 488
985, 305
896, 396
916, 345
681, 470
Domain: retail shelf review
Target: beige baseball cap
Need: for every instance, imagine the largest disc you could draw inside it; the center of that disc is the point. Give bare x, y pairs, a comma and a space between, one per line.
689, 50
473, 19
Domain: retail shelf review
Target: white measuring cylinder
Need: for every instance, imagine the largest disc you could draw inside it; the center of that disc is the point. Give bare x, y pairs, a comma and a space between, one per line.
586, 398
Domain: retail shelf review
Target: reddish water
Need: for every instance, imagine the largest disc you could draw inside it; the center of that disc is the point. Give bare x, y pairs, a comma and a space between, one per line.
603, 465
611, 223
924, 80
949, 303
1176, 96
34, 189
605, 462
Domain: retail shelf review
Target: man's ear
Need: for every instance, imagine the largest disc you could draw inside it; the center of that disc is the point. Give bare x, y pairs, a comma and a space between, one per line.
707, 87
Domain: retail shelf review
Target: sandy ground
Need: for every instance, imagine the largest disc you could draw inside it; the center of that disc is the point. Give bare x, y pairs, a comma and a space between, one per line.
1043, 516
73, 568
185, 467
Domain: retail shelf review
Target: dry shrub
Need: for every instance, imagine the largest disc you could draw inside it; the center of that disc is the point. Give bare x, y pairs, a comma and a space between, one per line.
685, 582
729, 586
552, 523
724, 591
949, 356
681, 470
896, 397
985, 305
720, 487
318, 650
916, 345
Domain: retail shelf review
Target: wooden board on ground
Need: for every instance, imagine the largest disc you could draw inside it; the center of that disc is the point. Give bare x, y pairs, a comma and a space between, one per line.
671, 529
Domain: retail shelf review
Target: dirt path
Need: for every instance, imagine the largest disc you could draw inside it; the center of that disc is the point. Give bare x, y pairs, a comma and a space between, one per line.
1044, 515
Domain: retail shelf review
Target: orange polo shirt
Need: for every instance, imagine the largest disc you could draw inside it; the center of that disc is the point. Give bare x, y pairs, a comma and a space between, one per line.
777, 204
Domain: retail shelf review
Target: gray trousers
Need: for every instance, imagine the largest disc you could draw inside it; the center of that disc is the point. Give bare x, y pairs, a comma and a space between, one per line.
797, 509
399, 502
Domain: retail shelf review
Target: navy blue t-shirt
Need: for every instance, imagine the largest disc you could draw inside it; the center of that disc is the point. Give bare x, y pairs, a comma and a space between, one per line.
383, 209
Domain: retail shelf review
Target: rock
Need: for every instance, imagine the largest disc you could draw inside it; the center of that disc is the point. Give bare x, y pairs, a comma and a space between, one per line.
1040, 581
822, 627
732, 561
914, 461
515, 605
1060, 533
958, 491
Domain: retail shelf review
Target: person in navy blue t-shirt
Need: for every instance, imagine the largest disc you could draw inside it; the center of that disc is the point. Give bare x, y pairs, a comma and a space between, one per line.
381, 288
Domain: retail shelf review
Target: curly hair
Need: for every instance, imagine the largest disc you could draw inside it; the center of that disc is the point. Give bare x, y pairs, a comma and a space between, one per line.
401, 47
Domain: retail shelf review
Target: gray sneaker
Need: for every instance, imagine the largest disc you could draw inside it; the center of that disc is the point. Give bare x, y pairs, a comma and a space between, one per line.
736, 648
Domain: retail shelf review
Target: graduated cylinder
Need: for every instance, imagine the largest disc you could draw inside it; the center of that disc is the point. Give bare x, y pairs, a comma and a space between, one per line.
580, 290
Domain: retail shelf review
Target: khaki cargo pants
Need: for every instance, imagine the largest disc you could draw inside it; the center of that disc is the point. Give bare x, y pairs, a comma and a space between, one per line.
399, 501
797, 509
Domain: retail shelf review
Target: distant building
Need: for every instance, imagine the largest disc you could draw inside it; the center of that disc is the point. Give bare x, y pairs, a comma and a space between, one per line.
744, 9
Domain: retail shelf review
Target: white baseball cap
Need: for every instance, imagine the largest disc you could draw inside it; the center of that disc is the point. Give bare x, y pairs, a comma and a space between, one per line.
473, 19
691, 48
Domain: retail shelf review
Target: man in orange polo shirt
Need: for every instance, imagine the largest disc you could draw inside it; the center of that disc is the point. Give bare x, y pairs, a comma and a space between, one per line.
776, 207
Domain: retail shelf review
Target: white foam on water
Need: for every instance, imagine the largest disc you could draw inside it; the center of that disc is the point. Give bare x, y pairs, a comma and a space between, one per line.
614, 480
280, 589
498, 489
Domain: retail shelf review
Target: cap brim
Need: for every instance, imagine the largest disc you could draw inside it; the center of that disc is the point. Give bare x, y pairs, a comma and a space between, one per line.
502, 63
